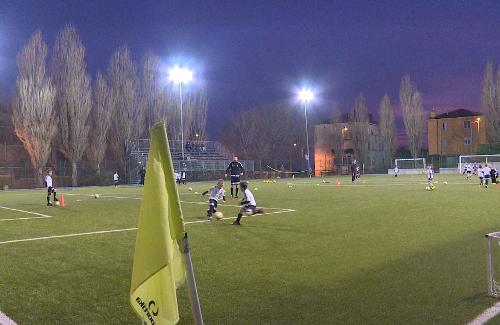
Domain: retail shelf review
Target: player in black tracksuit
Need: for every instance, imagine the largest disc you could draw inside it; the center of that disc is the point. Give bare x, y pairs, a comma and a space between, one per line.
353, 170
235, 169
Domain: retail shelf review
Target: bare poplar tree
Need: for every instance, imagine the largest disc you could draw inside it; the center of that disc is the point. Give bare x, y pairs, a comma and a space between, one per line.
413, 114
387, 130
151, 97
126, 118
74, 97
490, 101
100, 122
337, 136
359, 128
33, 107
200, 118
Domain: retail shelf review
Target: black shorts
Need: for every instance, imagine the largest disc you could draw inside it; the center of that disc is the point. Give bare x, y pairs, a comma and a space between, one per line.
213, 202
235, 179
50, 190
250, 209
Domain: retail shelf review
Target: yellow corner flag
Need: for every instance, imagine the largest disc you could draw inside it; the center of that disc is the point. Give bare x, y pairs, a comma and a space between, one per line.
158, 261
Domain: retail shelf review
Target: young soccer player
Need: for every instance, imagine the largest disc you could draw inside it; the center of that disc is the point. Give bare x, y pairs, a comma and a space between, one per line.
115, 178
235, 169
183, 177
486, 175
430, 175
494, 175
396, 171
469, 171
178, 177
216, 193
480, 174
50, 188
249, 204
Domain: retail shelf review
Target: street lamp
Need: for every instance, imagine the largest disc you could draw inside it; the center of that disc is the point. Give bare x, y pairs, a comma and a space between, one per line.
306, 95
478, 120
180, 76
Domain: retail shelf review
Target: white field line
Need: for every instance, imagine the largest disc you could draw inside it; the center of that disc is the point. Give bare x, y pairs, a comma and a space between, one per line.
40, 216
189, 202
4, 320
376, 185
486, 315
125, 229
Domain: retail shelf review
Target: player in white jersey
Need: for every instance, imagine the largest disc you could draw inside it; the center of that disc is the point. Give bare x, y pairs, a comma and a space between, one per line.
468, 169
50, 187
430, 175
486, 175
480, 174
216, 193
115, 178
248, 202
396, 171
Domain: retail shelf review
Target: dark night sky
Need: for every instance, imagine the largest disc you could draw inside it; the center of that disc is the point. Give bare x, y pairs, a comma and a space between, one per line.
255, 52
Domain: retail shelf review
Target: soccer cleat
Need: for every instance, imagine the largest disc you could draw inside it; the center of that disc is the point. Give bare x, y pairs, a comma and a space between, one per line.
209, 218
236, 223
236, 197
49, 204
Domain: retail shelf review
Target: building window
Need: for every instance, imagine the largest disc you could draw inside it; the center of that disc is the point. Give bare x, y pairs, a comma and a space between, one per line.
467, 141
466, 124
445, 126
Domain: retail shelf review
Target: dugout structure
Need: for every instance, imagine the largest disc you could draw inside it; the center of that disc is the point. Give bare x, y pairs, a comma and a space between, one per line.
491, 160
493, 263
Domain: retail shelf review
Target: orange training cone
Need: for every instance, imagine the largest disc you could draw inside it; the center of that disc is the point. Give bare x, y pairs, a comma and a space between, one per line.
61, 201
337, 183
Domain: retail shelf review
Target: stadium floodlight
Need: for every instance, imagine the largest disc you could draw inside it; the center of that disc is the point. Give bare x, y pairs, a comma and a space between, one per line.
180, 76
306, 95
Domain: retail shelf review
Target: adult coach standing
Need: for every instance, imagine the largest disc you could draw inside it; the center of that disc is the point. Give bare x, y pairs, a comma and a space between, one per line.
353, 170
235, 169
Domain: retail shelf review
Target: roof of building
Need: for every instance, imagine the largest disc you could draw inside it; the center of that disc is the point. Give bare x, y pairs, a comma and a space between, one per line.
461, 112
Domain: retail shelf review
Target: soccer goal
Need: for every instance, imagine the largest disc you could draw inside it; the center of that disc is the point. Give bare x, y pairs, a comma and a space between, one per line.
404, 163
491, 160
493, 263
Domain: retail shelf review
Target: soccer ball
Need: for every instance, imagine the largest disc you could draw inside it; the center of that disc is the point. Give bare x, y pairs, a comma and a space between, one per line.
96, 196
218, 215
190, 189
427, 188
445, 183
256, 189
57, 203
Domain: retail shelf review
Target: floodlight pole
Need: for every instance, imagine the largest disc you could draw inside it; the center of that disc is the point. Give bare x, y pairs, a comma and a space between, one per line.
307, 141
182, 121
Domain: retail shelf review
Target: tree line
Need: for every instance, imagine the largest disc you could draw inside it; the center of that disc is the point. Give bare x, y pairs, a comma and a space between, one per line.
58, 106
268, 131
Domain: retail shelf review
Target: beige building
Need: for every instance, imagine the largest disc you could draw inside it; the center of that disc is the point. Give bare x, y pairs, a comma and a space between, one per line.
459, 132
327, 161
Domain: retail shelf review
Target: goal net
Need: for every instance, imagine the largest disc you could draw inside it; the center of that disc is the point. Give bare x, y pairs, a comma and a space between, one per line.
492, 161
417, 163
493, 263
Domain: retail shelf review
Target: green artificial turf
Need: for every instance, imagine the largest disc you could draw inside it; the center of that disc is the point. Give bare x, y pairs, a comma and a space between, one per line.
382, 251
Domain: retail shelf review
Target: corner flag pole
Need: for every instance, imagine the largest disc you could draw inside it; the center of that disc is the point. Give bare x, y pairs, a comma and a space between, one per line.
191, 284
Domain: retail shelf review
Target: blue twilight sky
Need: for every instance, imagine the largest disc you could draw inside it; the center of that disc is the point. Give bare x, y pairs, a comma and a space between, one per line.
254, 52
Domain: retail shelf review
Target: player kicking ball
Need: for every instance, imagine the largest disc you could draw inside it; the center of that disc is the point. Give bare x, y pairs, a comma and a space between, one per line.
249, 205
216, 193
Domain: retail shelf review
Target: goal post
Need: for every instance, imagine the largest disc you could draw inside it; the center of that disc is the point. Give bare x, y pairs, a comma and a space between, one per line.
493, 263
410, 163
491, 160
